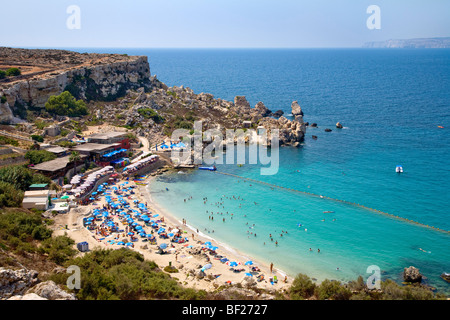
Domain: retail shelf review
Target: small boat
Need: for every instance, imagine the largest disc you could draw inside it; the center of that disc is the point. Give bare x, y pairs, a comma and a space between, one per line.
213, 168
328, 212
399, 169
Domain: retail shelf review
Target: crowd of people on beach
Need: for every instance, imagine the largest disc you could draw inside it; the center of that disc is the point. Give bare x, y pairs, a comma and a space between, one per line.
119, 219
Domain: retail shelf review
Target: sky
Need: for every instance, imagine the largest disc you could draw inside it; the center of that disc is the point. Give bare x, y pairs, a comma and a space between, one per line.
217, 23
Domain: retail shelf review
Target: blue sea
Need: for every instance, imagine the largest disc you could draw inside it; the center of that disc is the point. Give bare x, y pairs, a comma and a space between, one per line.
390, 102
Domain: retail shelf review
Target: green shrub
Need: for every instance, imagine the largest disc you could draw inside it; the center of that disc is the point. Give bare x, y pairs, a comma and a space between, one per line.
19, 226
20, 177
37, 138
148, 113
12, 72
66, 144
332, 290
9, 196
66, 105
39, 156
302, 287
2, 74
59, 249
124, 274
6, 140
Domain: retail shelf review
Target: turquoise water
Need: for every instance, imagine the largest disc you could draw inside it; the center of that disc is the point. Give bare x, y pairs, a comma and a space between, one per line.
390, 102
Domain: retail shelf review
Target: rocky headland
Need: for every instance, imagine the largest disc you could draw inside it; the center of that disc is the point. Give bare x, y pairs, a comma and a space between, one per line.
120, 91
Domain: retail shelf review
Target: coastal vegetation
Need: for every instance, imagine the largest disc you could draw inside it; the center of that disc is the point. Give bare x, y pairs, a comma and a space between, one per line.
123, 274
20, 177
39, 156
11, 72
6, 140
65, 104
149, 113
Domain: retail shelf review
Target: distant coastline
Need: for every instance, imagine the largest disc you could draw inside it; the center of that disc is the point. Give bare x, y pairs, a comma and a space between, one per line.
442, 42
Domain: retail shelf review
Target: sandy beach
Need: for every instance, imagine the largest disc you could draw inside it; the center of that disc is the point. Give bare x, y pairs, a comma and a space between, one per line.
188, 257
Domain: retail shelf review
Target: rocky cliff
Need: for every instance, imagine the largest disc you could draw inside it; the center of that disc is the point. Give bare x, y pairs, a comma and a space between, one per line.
49, 72
410, 43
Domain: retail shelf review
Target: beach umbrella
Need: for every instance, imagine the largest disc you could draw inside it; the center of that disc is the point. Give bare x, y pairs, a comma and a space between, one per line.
121, 243
232, 264
207, 266
170, 234
249, 263
139, 228
129, 244
208, 243
130, 233
248, 274
65, 197
163, 245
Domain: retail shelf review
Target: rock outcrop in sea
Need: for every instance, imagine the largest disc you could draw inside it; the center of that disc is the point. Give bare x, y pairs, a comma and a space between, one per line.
412, 274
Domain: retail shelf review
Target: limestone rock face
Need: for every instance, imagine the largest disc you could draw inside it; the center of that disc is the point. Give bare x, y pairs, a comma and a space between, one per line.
412, 274
6, 114
241, 102
262, 109
28, 296
296, 109
16, 282
49, 290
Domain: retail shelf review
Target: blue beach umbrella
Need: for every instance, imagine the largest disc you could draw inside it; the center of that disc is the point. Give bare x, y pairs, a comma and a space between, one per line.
121, 243
170, 234
249, 263
248, 274
207, 266
233, 264
163, 245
